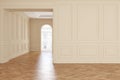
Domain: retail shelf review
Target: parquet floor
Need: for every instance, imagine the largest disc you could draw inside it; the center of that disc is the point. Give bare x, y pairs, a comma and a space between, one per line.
35, 66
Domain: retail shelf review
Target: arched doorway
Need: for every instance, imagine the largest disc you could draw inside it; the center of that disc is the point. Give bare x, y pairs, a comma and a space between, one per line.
46, 38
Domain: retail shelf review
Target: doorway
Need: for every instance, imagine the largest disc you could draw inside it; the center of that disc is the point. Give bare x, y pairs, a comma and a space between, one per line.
29, 30
46, 38
42, 60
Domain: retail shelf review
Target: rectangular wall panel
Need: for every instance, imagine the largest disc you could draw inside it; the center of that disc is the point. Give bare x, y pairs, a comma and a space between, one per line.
110, 22
88, 50
66, 51
90, 35
111, 51
13, 27
87, 22
64, 22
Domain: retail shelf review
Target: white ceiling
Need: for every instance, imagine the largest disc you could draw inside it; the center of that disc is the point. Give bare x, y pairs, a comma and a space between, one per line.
40, 15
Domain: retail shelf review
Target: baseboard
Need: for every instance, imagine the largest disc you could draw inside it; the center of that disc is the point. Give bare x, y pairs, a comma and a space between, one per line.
84, 60
12, 57
21, 53
4, 61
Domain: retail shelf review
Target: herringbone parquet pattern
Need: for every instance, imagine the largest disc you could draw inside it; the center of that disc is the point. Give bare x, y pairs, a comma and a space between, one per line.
35, 66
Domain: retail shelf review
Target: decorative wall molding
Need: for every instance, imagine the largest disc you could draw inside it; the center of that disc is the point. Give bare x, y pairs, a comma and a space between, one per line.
14, 43
68, 45
94, 37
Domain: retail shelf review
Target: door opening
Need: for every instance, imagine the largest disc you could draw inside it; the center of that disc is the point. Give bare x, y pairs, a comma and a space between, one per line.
46, 38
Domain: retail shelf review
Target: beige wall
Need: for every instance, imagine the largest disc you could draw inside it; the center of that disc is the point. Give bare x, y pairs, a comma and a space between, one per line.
87, 33
16, 40
1, 36
35, 28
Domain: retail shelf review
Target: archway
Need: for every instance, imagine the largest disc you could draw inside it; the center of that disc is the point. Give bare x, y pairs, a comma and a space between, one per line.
46, 38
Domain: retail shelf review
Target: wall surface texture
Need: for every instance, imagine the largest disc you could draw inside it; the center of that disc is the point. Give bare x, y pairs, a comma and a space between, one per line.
88, 33
16, 38
35, 32
84, 31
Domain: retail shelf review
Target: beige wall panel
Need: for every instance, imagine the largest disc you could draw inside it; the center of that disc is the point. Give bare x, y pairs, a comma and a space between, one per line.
64, 27
88, 50
87, 22
13, 42
110, 22
111, 50
66, 51
94, 27
1, 36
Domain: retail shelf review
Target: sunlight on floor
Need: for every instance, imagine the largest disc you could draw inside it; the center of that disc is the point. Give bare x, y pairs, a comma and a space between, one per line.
36, 66
45, 68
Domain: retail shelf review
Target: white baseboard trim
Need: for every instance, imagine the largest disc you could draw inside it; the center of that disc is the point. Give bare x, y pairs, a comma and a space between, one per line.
84, 60
12, 57
4, 61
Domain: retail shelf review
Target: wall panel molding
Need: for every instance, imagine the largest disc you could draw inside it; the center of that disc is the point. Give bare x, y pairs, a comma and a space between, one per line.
110, 22
88, 25
13, 44
88, 50
95, 34
64, 25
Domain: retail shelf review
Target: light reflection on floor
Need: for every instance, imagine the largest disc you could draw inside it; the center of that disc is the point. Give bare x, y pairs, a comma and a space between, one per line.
45, 68
36, 66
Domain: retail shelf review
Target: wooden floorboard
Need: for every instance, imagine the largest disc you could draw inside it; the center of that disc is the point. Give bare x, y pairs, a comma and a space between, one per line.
36, 66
